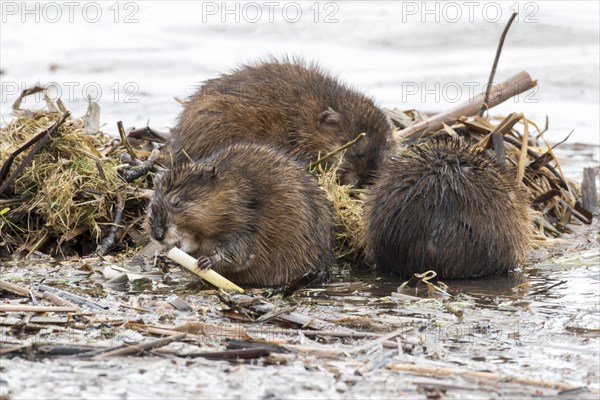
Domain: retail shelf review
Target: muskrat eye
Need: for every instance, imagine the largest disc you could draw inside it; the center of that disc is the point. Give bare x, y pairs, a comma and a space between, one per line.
176, 203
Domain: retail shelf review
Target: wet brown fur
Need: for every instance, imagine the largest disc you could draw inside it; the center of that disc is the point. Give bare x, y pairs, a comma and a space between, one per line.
290, 104
251, 206
446, 206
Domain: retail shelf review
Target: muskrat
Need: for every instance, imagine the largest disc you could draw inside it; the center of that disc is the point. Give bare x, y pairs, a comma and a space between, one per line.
293, 105
249, 211
446, 206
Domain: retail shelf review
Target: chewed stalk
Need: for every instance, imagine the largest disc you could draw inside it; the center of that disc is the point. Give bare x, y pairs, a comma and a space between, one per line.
209, 275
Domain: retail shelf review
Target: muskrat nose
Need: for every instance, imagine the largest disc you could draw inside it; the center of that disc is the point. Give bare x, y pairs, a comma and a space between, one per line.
158, 234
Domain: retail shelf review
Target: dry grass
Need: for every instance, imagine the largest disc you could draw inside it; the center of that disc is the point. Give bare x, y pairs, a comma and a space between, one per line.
348, 211
67, 188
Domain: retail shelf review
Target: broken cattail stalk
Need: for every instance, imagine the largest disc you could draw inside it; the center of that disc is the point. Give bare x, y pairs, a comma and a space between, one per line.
209, 275
497, 133
511, 87
16, 289
523, 154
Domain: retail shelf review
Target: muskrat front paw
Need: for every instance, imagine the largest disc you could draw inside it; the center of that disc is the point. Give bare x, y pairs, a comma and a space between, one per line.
206, 262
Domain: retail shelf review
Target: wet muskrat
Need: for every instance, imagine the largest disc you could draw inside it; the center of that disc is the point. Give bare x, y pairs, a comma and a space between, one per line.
446, 206
249, 211
295, 106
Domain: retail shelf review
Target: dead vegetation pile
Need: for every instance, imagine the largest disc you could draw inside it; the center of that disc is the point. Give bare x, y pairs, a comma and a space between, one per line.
63, 190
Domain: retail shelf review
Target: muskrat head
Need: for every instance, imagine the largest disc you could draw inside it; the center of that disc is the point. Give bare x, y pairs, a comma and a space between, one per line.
183, 210
360, 162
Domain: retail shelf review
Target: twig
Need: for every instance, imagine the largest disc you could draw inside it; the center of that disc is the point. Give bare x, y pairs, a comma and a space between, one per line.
5, 202
149, 134
132, 173
292, 287
334, 152
539, 162
546, 126
564, 140
236, 354
240, 349
546, 196
125, 350
45, 137
498, 132
124, 140
43, 350
546, 288
8, 163
109, 241
497, 135
484, 106
318, 351
13, 349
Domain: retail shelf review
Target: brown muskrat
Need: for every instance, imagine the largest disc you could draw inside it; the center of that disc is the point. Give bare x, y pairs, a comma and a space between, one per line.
292, 105
446, 206
249, 211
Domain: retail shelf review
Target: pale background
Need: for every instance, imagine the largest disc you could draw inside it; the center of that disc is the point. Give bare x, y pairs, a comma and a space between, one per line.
397, 52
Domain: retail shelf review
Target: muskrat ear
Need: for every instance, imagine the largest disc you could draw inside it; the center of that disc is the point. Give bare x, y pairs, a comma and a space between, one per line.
212, 172
329, 117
